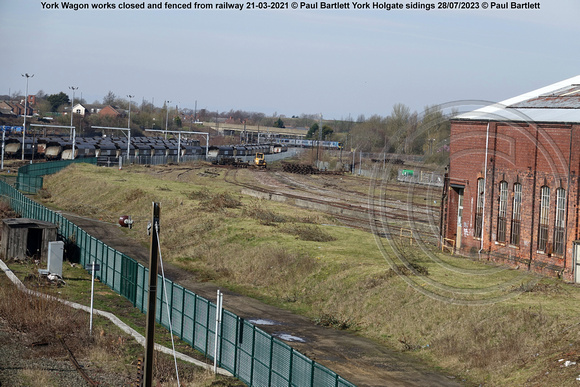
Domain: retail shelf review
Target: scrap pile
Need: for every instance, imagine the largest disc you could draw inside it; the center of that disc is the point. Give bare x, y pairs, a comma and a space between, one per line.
305, 169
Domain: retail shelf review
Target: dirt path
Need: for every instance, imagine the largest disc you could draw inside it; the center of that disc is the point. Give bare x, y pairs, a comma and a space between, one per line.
359, 360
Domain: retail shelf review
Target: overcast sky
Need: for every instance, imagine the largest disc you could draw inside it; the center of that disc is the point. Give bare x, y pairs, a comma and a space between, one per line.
336, 62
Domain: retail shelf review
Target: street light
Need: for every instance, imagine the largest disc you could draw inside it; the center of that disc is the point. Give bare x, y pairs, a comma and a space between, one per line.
129, 121
25, 112
73, 134
166, 116
129, 127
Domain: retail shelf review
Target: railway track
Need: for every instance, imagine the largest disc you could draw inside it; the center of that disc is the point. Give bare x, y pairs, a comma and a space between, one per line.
351, 208
343, 194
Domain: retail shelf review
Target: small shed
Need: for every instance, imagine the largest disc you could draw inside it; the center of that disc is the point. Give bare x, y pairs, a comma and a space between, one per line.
23, 237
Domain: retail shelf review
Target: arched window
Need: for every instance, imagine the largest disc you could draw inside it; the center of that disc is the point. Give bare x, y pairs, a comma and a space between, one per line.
560, 222
516, 215
544, 218
502, 214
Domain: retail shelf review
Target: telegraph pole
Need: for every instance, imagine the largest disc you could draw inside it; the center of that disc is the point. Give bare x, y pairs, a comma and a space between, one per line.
319, 141
153, 268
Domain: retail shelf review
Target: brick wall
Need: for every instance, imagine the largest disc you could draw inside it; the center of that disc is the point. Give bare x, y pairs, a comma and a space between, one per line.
533, 155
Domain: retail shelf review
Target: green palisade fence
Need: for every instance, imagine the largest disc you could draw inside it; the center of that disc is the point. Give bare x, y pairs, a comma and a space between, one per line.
30, 176
252, 355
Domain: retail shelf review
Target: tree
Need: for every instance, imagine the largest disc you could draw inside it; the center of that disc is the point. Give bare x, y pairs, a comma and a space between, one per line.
110, 98
177, 121
434, 128
56, 100
279, 123
313, 132
313, 129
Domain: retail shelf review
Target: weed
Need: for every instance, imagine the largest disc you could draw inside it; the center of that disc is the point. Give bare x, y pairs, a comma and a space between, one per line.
36, 377
44, 194
265, 216
328, 320
41, 318
134, 194
415, 269
202, 194
308, 232
219, 201
6, 211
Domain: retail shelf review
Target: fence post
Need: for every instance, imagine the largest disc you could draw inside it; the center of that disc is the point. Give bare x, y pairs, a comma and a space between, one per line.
207, 328
271, 353
290, 369
182, 306
194, 317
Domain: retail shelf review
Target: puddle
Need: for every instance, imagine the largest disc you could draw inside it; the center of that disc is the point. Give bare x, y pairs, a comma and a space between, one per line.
263, 321
288, 337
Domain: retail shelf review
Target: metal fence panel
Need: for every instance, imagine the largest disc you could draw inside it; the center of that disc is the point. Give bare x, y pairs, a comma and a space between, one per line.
165, 295
252, 355
323, 377
201, 317
301, 370
281, 362
211, 333
189, 309
229, 335
262, 358
140, 285
177, 308
244, 360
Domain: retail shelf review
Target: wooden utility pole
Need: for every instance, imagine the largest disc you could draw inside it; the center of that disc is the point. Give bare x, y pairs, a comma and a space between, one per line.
153, 268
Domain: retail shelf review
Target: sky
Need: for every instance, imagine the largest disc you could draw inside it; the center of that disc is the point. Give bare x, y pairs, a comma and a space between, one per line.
339, 63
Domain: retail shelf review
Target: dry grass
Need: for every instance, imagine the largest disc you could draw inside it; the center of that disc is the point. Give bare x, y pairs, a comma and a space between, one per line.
257, 209
307, 232
39, 317
338, 277
41, 321
37, 377
6, 211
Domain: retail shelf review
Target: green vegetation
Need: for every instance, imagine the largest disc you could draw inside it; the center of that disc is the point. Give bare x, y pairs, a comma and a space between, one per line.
302, 261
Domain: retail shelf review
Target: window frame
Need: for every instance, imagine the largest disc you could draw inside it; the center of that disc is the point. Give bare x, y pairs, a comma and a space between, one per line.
516, 215
544, 222
502, 212
478, 229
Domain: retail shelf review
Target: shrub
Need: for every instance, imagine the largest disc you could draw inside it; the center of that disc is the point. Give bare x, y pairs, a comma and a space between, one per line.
308, 232
265, 216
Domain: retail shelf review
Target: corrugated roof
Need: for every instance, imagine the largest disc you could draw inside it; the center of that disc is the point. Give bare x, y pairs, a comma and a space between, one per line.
559, 102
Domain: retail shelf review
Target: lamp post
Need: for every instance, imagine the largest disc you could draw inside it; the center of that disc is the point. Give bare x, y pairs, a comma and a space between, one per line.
129, 127
73, 88
129, 120
25, 112
166, 116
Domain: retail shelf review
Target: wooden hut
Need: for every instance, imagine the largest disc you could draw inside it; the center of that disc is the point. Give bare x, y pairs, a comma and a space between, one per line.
21, 238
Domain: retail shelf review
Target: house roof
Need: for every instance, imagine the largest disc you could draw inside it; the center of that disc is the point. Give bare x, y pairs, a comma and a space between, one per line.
558, 102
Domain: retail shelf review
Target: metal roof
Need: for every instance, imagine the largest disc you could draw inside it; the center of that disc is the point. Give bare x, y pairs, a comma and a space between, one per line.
559, 102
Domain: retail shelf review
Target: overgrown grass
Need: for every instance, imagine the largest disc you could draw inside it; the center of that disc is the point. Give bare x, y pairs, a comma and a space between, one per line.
43, 320
338, 277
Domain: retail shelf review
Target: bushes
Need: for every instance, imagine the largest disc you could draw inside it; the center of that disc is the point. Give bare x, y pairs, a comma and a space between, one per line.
210, 201
308, 232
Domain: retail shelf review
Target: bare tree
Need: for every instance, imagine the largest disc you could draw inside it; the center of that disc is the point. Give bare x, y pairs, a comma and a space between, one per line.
110, 98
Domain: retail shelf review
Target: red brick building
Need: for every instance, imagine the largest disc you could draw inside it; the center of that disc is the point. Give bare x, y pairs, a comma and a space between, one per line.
109, 111
511, 194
